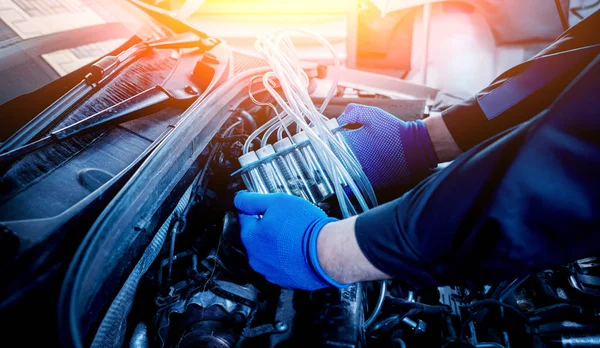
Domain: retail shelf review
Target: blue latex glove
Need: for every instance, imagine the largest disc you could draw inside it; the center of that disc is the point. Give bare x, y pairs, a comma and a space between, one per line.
282, 245
394, 154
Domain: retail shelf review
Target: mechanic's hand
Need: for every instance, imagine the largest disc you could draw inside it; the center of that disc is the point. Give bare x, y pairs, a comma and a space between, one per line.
282, 244
394, 154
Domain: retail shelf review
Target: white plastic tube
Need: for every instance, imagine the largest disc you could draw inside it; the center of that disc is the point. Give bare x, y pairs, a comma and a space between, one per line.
325, 151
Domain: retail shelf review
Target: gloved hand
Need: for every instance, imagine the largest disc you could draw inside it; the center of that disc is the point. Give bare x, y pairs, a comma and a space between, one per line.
282, 244
394, 154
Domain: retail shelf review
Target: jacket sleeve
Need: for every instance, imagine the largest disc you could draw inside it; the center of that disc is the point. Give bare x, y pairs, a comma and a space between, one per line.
469, 125
522, 201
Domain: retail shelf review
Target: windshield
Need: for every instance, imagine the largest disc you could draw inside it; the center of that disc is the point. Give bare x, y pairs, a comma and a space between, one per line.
42, 40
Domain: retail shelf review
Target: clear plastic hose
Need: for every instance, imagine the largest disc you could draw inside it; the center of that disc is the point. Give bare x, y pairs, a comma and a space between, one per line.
321, 147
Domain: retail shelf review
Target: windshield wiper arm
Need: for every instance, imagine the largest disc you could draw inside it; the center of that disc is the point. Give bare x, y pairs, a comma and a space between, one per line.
100, 73
102, 68
140, 105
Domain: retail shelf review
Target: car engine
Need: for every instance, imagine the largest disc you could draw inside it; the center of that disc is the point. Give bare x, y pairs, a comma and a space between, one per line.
119, 229
201, 291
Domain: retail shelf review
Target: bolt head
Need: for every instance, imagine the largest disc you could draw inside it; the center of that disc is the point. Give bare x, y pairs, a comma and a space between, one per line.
281, 326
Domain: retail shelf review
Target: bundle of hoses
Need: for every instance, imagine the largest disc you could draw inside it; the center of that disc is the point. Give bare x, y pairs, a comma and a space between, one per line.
315, 162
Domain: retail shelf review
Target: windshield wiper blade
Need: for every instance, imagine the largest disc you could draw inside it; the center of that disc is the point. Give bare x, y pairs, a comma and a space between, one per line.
140, 105
100, 73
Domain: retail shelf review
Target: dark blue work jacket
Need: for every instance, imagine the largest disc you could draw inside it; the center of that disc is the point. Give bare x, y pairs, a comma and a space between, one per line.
521, 201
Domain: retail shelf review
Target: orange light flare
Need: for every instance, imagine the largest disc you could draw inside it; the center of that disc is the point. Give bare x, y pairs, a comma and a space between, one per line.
269, 7
240, 22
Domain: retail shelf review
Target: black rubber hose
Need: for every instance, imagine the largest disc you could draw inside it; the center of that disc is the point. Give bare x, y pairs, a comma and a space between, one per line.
250, 123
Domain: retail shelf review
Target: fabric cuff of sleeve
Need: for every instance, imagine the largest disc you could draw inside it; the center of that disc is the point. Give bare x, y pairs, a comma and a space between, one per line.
467, 124
381, 239
313, 256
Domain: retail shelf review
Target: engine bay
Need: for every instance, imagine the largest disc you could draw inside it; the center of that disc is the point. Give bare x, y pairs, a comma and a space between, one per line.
161, 262
200, 290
